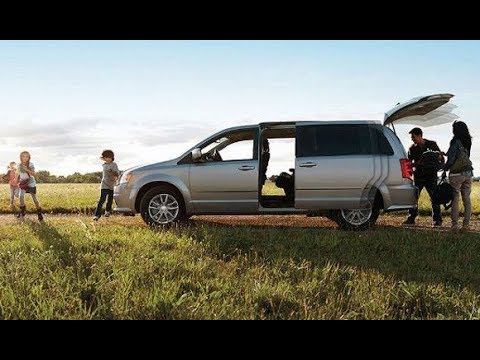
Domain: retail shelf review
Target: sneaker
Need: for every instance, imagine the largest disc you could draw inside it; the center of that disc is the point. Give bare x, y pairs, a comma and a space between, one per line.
107, 213
437, 224
96, 218
408, 222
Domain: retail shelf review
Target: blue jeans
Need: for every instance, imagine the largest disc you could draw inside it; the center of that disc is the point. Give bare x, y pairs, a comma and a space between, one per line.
104, 194
430, 187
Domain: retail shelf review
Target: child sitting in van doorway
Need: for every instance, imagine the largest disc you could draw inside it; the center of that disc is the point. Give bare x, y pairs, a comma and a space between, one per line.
110, 175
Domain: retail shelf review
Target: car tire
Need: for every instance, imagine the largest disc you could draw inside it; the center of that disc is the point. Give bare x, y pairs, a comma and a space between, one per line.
162, 206
357, 219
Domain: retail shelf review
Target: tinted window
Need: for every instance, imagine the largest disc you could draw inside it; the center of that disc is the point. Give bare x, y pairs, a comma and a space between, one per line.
333, 140
383, 145
338, 140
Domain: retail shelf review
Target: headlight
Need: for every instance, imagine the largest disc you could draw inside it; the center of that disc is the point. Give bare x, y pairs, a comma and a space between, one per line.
126, 177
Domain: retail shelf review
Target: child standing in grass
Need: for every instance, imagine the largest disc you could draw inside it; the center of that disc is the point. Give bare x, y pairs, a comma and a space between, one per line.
110, 175
12, 178
27, 184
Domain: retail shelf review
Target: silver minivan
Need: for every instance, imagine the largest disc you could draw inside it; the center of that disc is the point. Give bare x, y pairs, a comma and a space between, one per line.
348, 171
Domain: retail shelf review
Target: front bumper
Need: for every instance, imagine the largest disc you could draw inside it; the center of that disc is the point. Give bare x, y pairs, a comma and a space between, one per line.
124, 196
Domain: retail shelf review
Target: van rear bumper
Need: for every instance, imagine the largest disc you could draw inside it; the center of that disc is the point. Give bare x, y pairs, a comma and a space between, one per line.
399, 208
401, 197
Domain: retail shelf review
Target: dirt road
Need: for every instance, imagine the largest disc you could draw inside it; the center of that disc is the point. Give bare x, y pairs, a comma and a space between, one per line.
264, 221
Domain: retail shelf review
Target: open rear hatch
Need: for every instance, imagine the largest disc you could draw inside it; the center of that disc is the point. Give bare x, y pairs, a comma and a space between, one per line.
423, 111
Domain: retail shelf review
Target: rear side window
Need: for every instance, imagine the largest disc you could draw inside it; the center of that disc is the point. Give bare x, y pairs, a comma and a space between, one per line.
383, 145
338, 140
333, 140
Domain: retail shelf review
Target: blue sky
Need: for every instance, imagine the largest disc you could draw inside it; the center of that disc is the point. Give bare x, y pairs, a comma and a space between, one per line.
150, 100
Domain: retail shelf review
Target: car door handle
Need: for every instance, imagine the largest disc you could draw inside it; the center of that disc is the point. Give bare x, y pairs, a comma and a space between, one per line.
246, 168
308, 164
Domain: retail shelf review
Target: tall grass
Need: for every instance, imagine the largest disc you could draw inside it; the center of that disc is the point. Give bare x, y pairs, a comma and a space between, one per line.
58, 198
70, 268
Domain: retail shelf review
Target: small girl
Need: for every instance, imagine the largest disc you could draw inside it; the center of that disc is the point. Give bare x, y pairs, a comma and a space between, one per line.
28, 184
12, 178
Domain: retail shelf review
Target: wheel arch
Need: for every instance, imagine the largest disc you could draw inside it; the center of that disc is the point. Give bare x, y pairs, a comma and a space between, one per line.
153, 184
379, 197
375, 195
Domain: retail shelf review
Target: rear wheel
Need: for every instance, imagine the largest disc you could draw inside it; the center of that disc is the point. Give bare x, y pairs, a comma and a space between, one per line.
162, 206
358, 219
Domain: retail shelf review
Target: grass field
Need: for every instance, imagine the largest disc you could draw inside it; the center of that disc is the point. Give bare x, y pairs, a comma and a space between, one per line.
58, 198
71, 268
82, 198
229, 267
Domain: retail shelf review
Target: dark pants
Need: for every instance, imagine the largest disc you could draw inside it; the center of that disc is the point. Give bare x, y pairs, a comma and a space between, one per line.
105, 193
430, 187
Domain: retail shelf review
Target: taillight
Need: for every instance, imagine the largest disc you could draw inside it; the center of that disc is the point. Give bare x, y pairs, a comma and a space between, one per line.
407, 168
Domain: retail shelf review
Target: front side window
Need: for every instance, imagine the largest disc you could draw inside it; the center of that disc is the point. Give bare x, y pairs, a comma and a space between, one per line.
234, 146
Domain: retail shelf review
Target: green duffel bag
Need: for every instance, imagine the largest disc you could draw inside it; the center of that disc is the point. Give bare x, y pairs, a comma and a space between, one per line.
462, 163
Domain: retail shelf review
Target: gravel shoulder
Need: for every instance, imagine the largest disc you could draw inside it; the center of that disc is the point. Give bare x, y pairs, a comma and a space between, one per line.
274, 221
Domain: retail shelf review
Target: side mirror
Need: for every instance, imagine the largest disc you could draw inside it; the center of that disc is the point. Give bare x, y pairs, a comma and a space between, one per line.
196, 155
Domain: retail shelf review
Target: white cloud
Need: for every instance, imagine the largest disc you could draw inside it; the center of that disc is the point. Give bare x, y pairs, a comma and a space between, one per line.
75, 146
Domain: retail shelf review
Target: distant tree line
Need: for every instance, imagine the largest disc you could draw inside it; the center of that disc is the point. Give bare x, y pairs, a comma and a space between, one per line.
44, 177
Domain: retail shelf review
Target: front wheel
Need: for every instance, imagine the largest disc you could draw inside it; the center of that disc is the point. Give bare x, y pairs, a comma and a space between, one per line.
162, 206
357, 219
